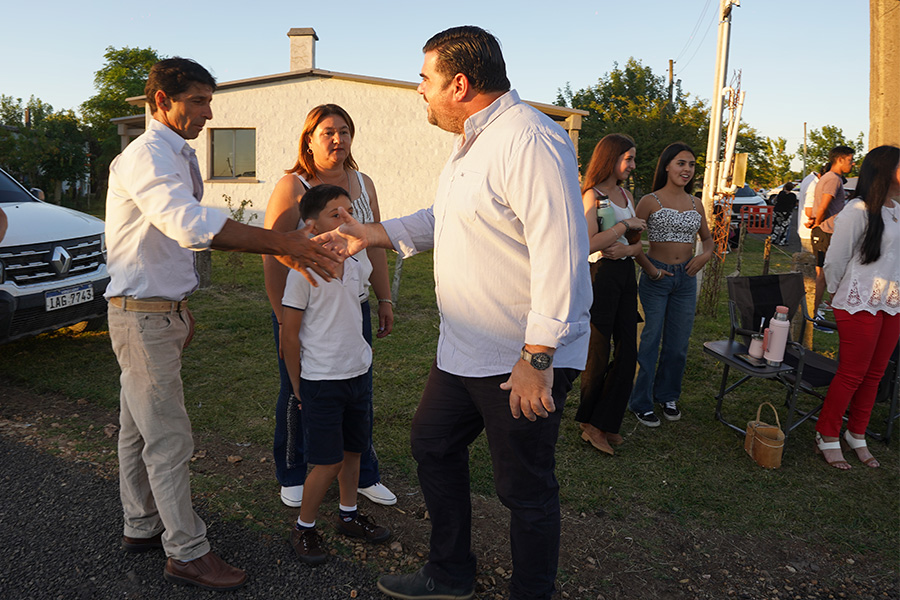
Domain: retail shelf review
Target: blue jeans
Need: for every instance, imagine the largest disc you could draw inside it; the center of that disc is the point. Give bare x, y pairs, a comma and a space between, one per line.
296, 474
669, 306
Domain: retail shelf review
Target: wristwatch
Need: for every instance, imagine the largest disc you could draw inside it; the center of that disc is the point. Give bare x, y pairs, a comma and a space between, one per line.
538, 360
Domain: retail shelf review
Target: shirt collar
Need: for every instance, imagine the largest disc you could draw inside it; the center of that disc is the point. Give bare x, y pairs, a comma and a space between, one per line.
476, 123
179, 144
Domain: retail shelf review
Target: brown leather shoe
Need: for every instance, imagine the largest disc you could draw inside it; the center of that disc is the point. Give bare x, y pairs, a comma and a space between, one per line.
307, 544
208, 572
137, 545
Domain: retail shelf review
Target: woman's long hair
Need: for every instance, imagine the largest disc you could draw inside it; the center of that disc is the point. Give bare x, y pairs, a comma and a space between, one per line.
603, 160
305, 164
875, 177
672, 150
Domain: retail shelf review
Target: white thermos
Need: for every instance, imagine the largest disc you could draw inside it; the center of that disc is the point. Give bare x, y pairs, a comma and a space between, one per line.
776, 337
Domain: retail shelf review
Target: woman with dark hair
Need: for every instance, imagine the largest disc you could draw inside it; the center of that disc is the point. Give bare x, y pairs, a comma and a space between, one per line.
324, 158
605, 385
668, 288
862, 270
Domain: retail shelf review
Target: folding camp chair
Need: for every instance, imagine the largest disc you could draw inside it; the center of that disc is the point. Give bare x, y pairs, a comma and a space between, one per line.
752, 300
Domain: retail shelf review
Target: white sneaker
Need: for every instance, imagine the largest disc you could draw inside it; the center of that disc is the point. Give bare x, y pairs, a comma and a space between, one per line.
378, 494
292, 495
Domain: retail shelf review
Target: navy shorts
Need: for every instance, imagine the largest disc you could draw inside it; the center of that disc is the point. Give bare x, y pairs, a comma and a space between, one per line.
820, 241
335, 418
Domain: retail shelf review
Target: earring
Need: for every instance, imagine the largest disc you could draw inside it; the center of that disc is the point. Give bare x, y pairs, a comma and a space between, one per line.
309, 150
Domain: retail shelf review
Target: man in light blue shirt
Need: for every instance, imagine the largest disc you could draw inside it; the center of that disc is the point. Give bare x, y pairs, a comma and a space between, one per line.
513, 290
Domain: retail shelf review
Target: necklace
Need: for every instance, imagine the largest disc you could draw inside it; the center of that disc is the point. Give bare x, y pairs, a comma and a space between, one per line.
891, 210
347, 171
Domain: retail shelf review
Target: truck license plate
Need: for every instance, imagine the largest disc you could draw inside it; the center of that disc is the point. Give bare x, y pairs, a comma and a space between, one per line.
69, 296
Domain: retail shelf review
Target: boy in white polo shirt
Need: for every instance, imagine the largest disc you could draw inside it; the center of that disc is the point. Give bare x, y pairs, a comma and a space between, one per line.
328, 359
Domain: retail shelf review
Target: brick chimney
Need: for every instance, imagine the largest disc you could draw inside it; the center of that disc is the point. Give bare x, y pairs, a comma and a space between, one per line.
303, 48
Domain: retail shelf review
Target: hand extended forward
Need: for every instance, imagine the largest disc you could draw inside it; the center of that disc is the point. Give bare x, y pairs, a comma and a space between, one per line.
305, 254
346, 240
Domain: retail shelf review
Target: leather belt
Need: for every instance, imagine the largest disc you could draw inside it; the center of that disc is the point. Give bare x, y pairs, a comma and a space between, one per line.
148, 306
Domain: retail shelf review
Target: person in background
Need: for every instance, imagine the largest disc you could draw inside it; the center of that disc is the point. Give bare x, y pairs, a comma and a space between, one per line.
325, 157
829, 201
785, 203
154, 223
804, 209
668, 285
862, 269
606, 386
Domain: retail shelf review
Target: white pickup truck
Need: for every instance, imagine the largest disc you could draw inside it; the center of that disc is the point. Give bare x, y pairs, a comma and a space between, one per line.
52, 265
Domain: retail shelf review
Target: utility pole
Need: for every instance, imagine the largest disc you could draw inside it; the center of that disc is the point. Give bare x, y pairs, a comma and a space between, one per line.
671, 79
804, 150
714, 141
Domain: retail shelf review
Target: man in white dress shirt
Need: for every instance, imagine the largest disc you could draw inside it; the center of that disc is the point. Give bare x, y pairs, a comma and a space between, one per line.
513, 290
154, 222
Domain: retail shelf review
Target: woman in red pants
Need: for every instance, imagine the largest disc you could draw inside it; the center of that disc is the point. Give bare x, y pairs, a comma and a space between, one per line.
862, 270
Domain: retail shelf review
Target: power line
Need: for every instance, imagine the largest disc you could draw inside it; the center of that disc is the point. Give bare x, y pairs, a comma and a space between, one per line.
694, 32
700, 45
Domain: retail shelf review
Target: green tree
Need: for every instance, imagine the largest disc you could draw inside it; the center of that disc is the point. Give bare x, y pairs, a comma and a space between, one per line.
821, 141
63, 151
122, 76
772, 165
20, 145
635, 101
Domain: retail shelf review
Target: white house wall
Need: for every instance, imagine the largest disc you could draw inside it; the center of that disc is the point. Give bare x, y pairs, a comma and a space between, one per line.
394, 144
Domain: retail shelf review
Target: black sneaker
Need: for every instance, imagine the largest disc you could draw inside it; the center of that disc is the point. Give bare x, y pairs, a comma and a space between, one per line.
307, 544
648, 418
671, 412
419, 586
363, 527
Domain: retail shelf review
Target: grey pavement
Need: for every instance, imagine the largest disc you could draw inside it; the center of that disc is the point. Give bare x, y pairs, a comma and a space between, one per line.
60, 532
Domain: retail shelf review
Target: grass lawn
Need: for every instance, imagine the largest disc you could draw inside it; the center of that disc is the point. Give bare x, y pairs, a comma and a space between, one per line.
694, 470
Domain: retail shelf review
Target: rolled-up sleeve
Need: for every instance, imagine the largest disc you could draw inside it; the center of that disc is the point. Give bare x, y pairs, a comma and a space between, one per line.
413, 233
545, 197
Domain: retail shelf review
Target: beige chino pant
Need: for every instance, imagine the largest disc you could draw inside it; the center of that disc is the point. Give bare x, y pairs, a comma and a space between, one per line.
155, 441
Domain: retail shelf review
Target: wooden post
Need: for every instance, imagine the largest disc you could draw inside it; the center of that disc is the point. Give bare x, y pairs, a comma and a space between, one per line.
805, 262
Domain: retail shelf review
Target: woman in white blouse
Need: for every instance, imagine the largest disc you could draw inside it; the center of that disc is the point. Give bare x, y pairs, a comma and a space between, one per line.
862, 271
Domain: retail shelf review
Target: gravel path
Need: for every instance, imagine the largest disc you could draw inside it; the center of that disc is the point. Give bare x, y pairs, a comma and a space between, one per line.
60, 528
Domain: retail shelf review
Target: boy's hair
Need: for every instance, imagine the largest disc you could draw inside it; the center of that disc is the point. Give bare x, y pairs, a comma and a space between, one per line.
316, 197
174, 76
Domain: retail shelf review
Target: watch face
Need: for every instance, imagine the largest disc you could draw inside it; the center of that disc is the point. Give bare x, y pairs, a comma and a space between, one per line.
540, 360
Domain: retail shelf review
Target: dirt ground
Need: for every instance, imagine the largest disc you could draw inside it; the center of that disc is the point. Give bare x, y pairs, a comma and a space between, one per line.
658, 558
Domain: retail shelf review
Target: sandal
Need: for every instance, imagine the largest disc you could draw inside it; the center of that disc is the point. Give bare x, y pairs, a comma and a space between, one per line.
855, 445
822, 445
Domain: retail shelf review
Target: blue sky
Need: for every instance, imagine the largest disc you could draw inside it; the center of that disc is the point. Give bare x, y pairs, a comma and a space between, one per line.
801, 60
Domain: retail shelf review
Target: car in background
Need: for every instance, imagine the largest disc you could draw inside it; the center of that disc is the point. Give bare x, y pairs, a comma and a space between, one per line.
743, 196
52, 265
773, 193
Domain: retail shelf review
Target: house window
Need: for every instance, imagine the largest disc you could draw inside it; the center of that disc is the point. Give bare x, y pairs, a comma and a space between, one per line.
233, 153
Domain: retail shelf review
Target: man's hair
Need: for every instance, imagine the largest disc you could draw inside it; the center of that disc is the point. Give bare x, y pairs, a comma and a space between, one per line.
306, 164
603, 160
668, 155
788, 186
839, 152
174, 76
473, 52
314, 200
